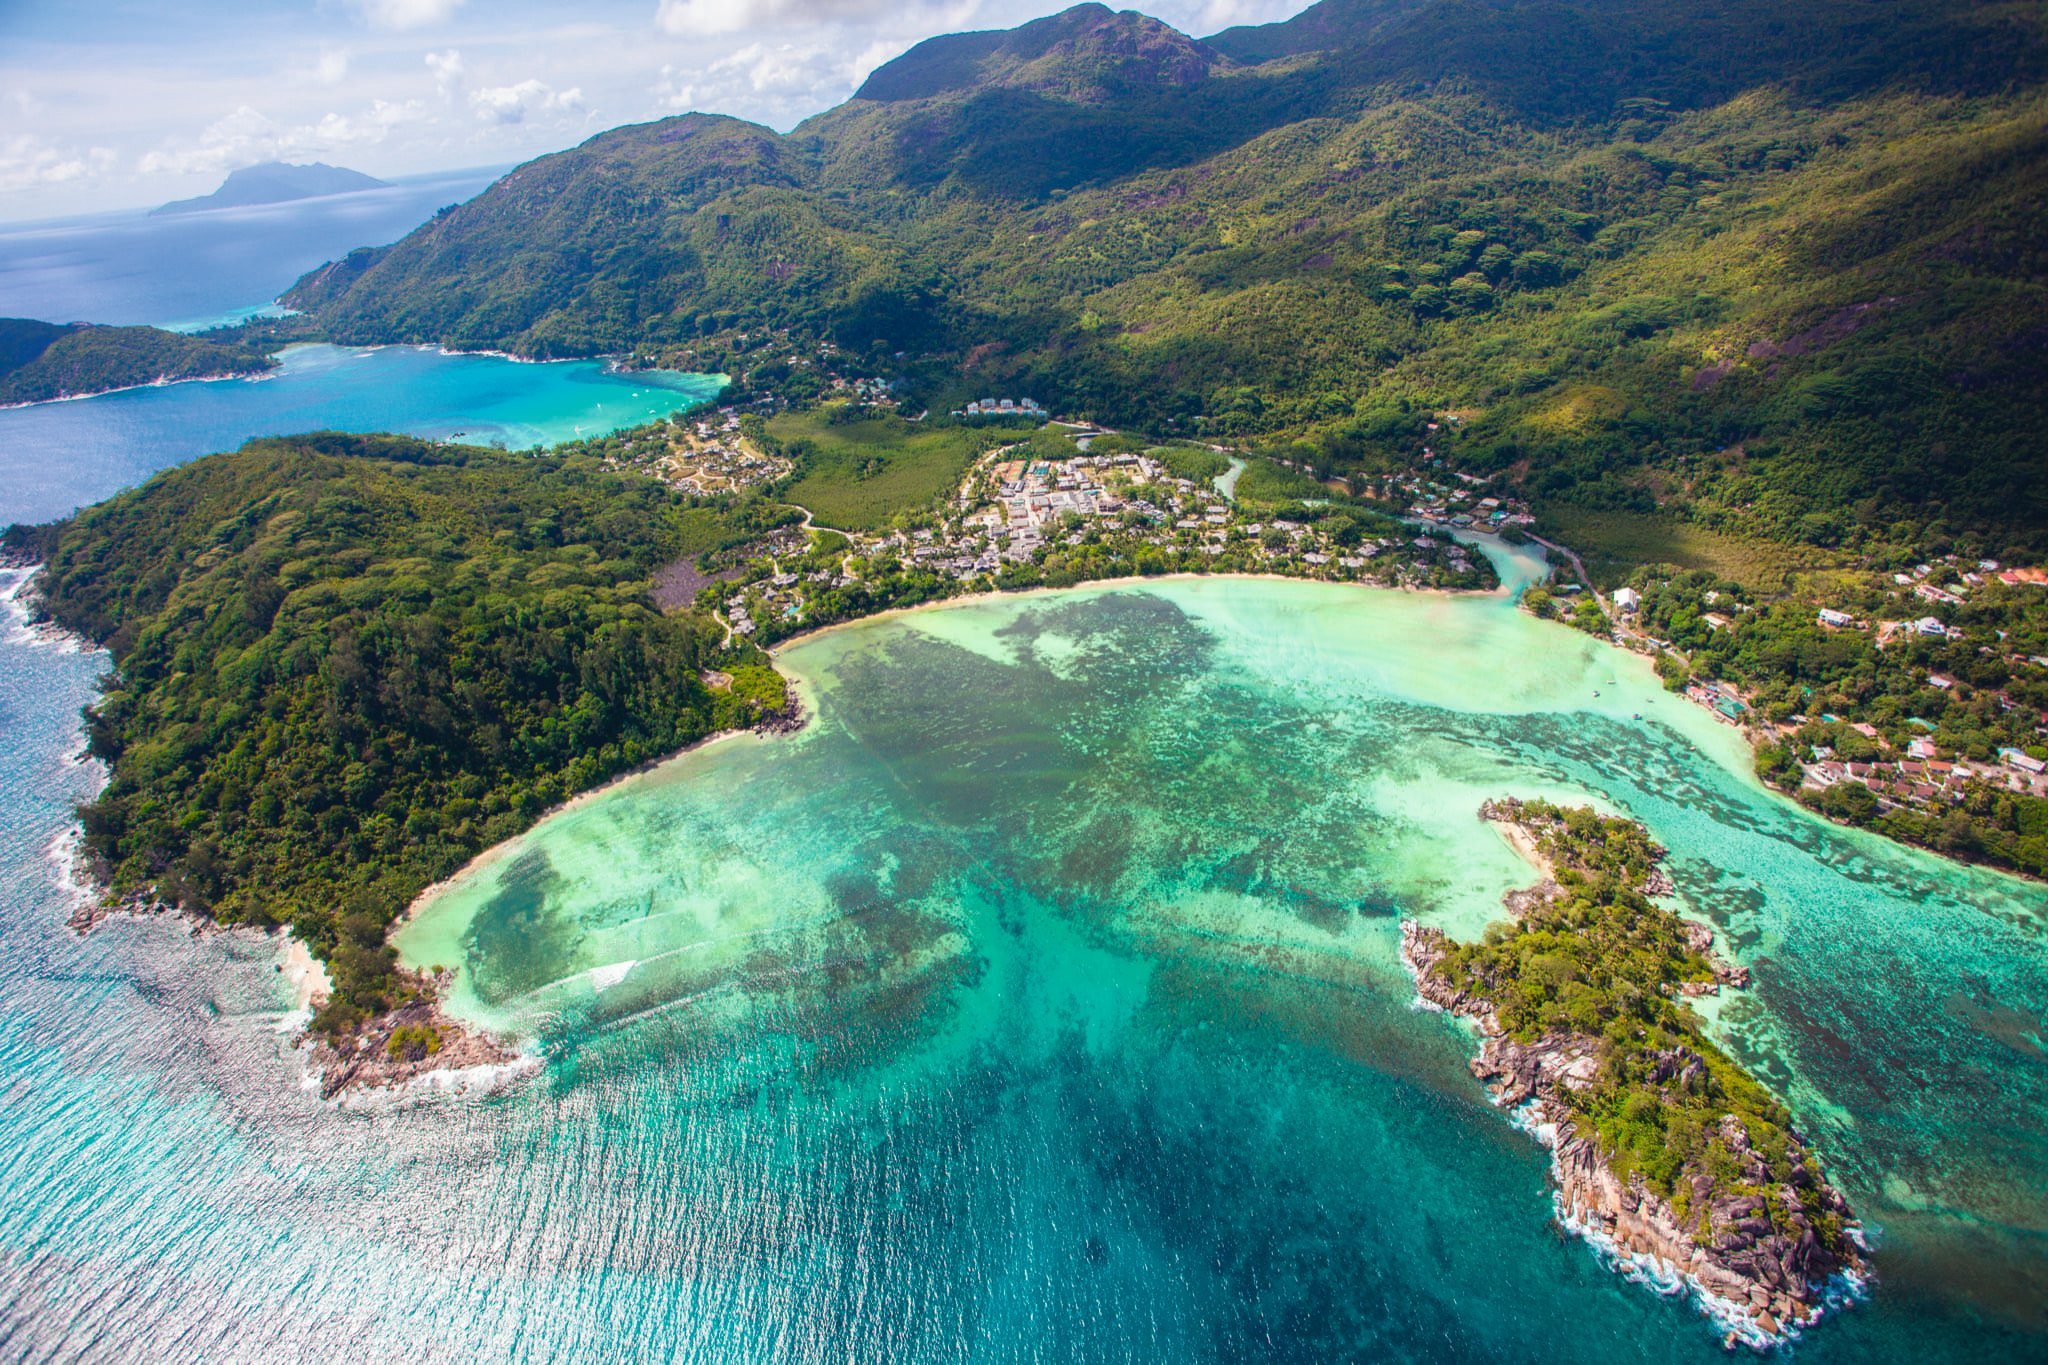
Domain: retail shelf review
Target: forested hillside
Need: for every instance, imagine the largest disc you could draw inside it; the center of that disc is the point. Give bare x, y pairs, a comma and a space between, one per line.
1775, 266
346, 664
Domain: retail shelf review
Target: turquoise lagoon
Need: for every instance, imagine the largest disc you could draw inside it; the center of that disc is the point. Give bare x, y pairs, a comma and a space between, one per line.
57, 456
1041, 1001
1037, 1002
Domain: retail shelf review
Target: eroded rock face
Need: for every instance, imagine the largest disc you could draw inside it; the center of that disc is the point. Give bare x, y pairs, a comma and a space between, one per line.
1747, 1242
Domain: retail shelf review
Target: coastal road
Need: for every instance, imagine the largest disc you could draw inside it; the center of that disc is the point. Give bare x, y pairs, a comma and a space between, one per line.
1584, 577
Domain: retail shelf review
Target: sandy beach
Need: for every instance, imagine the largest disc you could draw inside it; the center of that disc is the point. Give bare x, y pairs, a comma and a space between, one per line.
305, 973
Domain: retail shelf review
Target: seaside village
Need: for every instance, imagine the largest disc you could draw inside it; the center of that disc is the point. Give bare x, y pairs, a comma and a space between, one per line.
1924, 775
1012, 509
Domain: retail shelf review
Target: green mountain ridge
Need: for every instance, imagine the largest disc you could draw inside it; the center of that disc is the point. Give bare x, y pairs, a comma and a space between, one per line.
1748, 265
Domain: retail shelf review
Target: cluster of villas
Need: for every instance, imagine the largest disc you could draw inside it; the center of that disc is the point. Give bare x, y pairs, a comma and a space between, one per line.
1022, 507
1463, 502
1014, 511
707, 456
1924, 776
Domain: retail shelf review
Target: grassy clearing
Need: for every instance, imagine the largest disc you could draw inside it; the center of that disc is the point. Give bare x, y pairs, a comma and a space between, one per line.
1614, 543
858, 475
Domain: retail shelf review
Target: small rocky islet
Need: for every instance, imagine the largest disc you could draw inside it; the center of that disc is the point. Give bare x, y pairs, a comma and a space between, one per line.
1664, 1151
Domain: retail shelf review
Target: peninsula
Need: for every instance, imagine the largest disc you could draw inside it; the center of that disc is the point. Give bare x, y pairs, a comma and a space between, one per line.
44, 361
1664, 1150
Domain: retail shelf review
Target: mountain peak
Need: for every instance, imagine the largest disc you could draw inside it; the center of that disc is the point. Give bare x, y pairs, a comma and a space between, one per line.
1083, 54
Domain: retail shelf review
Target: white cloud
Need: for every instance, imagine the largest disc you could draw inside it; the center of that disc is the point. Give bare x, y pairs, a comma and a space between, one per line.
513, 103
248, 136
673, 92
684, 17
27, 161
329, 68
773, 81
407, 14
1214, 16
447, 69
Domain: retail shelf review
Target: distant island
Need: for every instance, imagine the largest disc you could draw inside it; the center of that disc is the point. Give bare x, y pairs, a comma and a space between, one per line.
275, 182
42, 361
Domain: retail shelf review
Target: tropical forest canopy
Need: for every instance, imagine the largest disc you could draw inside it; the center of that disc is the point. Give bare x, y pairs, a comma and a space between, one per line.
348, 664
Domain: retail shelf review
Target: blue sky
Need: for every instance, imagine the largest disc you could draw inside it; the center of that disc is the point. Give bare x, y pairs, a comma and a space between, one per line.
108, 104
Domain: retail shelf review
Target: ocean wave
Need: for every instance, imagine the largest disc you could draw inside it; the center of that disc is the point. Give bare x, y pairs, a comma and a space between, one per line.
65, 856
448, 1083
20, 625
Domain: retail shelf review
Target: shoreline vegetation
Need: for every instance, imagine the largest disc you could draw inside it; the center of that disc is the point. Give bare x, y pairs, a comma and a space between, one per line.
1913, 703
1665, 1153
43, 362
344, 665
158, 382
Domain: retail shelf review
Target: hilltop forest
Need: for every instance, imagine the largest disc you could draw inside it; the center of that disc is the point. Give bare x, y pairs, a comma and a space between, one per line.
1749, 266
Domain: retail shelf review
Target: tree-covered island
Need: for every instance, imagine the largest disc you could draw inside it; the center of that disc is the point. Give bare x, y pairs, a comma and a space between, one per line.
1664, 1148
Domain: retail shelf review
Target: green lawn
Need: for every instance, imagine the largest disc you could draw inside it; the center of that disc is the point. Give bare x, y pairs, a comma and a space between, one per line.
858, 475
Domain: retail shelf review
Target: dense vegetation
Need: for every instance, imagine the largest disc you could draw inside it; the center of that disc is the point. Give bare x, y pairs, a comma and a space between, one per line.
44, 360
1602, 961
1772, 273
346, 664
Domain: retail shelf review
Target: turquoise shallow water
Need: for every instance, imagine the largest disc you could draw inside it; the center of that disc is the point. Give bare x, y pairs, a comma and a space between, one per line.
57, 456
1037, 1002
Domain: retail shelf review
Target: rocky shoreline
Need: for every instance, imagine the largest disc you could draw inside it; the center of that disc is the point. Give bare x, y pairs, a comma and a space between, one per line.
1749, 1241
416, 1041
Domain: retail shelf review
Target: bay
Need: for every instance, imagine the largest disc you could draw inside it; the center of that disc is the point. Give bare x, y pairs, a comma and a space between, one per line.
55, 457
1043, 996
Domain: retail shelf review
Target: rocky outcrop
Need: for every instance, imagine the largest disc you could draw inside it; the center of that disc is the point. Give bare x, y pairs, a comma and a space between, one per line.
1748, 1244
1726, 973
416, 1041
